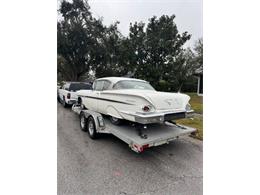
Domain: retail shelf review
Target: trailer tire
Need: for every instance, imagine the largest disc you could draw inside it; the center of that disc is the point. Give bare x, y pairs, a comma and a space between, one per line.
83, 121
91, 128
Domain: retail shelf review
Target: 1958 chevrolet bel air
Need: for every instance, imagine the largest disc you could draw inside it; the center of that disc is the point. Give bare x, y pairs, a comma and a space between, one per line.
133, 100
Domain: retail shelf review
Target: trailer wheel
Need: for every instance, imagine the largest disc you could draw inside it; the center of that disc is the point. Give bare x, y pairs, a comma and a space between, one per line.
115, 121
83, 122
91, 127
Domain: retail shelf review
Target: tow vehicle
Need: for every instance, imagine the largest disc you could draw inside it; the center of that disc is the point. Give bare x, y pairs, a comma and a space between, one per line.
138, 137
67, 93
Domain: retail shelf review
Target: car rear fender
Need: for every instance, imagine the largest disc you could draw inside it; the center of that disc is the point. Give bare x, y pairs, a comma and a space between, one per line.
111, 111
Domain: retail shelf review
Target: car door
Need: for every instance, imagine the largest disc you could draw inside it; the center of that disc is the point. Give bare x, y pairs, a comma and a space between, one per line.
102, 105
93, 100
90, 101
98, 87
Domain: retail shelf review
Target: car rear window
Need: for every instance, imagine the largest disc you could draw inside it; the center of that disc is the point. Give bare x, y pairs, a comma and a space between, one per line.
79, 86
129, 84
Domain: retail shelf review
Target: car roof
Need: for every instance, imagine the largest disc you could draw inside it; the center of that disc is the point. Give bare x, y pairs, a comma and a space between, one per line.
116, 79
79, 83
75, 82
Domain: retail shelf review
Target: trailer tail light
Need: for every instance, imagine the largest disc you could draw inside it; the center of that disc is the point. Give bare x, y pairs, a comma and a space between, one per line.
145, 146
140, 148
68, 96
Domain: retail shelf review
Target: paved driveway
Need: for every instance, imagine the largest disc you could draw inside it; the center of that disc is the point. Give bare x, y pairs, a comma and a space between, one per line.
109, 166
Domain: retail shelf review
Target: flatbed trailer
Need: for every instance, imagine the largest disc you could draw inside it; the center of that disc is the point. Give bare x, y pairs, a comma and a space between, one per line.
137, 139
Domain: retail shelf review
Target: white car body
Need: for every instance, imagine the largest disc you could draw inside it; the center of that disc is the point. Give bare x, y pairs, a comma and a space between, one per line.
129, 104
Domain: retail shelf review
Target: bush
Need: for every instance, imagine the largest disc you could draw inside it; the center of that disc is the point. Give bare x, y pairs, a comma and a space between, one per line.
190, 85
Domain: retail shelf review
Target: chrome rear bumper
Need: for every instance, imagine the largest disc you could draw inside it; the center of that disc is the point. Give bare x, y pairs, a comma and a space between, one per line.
159, 117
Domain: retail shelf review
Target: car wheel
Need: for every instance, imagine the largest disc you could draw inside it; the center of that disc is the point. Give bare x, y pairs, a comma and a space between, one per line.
83, 122
64, 103
91, 127
115, 121
59, 99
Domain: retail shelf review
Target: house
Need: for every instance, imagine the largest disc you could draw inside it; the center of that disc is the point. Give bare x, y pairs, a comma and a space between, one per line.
199, 75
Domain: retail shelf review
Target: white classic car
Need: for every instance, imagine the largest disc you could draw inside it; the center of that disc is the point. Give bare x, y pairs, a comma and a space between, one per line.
133, 100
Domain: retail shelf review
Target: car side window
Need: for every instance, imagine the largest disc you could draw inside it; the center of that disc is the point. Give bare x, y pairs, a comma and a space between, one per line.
117, 85
106, 85
98, 85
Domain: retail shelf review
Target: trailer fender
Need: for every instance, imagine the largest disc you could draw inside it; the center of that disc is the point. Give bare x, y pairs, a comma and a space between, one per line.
98, 118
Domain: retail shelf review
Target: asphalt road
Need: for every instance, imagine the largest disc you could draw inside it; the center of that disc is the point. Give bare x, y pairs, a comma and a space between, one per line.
108, 166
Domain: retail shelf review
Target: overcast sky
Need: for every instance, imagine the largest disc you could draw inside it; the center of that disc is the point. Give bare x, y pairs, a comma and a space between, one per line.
188, 13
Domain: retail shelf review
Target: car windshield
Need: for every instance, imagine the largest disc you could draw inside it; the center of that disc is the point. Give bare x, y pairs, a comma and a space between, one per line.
127, 84
79, 86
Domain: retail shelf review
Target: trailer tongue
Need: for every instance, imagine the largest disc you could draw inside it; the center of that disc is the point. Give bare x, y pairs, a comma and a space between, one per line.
155, 134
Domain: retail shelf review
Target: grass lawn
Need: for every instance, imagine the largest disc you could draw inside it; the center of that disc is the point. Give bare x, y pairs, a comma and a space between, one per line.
196, 102
197, 121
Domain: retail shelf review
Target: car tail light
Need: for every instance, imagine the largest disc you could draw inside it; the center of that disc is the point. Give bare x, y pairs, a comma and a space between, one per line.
146, 108
68, 96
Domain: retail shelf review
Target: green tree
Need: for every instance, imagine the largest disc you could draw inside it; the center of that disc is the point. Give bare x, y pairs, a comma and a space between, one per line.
198, 53
193, 62
77, 39
153, 52
109, 52
157, 51
137, 49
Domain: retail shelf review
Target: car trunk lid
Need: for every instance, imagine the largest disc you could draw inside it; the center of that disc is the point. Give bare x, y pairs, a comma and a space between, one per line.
168, 101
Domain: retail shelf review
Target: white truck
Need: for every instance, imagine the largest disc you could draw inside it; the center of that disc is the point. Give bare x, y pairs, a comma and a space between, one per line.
67, 93
137, 136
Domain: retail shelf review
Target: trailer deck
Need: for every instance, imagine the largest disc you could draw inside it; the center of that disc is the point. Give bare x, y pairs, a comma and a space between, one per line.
156, 134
